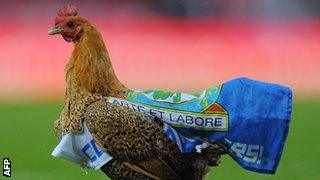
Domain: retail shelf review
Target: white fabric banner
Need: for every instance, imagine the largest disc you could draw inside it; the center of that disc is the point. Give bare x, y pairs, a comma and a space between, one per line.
81, 149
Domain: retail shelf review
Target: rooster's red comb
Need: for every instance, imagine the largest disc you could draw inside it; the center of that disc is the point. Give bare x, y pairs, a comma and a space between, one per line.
68, 10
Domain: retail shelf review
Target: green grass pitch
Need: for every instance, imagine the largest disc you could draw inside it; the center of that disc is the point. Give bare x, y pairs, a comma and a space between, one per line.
27, 138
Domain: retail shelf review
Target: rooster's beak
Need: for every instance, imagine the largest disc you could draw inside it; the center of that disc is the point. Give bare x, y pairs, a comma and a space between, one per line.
54, 30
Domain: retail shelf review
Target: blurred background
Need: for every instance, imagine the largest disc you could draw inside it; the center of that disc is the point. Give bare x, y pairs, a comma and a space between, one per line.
182, 45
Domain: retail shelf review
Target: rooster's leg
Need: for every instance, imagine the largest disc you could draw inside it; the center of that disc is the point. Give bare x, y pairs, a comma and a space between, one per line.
117, 170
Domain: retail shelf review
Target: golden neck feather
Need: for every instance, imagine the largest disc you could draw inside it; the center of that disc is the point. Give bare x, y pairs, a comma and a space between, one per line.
91, 67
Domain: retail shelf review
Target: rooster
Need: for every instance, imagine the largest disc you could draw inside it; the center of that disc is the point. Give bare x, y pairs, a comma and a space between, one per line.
136, 141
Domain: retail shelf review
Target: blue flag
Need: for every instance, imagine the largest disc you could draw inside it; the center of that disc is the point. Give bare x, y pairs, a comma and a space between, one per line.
250, 119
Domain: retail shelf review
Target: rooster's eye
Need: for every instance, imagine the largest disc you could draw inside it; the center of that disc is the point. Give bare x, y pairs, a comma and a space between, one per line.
70, 24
